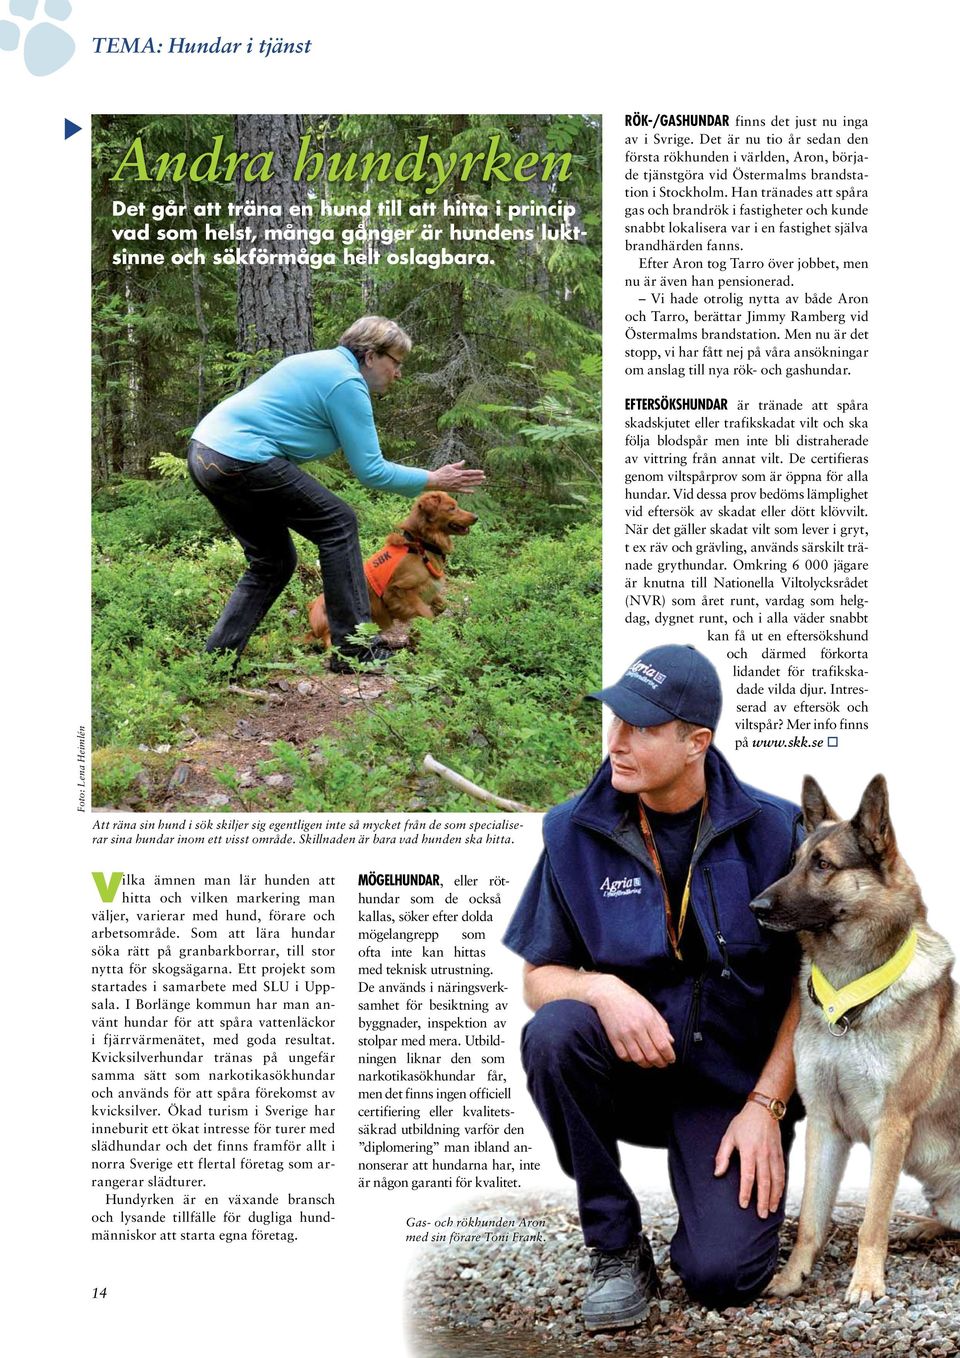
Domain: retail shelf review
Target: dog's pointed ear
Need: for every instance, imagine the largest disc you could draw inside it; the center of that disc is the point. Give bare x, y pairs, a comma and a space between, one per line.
816, 808
872, 822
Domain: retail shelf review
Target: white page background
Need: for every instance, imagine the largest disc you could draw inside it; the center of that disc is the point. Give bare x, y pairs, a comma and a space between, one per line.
891, 66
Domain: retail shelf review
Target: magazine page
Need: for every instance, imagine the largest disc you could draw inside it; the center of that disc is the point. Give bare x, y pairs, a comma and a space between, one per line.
498, 905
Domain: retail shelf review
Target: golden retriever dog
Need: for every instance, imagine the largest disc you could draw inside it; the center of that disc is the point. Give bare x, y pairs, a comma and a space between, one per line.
405, 577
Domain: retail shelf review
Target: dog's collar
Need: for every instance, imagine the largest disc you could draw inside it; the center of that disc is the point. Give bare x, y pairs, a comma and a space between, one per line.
421, 546
838, 1006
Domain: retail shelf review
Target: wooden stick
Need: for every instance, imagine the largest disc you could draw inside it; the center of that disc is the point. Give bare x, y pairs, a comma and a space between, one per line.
430, 765
248, 692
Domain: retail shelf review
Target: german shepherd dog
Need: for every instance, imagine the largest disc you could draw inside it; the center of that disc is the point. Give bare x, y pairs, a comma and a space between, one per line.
887, 1072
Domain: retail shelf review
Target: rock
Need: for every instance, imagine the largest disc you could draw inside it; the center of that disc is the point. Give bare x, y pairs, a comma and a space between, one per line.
218, 799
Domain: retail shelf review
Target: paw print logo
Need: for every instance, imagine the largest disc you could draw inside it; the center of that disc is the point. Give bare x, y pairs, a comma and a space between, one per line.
46, 47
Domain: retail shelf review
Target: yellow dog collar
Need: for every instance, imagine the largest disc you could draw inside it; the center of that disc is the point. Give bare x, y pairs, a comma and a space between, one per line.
836, 1003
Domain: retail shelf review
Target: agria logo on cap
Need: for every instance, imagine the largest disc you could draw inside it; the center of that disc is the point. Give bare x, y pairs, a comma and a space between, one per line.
646, 673
46, 47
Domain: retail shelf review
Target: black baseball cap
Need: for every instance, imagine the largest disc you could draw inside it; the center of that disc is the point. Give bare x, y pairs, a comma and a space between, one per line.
666, 683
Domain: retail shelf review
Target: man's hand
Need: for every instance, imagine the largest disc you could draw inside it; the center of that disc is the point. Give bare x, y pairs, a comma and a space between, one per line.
456, 476
756, 1136
637, 1031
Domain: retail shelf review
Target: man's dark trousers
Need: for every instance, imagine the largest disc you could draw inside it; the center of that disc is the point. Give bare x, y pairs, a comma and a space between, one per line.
590, 1099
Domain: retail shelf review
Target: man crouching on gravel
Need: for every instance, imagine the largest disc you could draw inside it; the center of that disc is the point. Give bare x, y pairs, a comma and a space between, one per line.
663, 1016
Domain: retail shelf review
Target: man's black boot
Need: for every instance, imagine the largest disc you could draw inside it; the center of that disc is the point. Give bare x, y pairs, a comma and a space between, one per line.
621, 1288
351, 659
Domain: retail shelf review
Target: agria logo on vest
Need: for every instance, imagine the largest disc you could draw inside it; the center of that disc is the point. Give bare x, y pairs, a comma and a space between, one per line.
621, 886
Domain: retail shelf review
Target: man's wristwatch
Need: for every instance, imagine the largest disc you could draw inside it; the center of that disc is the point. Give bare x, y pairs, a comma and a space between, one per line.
775, 1107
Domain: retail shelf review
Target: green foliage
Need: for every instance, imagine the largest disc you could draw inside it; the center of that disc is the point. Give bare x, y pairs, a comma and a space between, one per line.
169, 467
135, 514
494, 689
229, 778
505, 373
156, 328
114, 774
165, 344
348, 780
554, 452
235, 369
156, 589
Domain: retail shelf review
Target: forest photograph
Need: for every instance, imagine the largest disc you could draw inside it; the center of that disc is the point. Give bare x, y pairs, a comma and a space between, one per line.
231, 253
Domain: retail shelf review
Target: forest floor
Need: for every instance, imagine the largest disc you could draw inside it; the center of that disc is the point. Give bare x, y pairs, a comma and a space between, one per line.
494, 689
217, 764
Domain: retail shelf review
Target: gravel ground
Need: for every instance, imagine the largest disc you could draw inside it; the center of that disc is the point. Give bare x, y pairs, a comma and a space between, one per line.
481, 1296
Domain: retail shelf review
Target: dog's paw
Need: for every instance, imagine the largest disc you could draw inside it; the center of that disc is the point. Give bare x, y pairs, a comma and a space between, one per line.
397, 636
785, 1283
924, 1228
865, 1287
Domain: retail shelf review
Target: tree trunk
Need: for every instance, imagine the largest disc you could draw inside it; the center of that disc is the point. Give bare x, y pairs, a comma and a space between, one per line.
196, 279
274, 302
530, 138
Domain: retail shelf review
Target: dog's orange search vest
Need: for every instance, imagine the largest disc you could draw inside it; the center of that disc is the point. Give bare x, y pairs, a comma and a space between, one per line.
380, 567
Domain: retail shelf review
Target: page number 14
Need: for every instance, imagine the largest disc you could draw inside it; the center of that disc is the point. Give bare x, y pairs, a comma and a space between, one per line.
99, 1292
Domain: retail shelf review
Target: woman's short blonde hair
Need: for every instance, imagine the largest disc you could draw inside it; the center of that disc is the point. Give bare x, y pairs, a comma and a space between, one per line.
378, 334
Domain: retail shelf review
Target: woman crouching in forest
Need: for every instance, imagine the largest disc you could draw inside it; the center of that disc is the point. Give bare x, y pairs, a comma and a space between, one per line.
243, 457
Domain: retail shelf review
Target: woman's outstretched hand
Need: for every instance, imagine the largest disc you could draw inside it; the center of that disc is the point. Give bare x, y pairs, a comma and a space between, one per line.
456, 476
